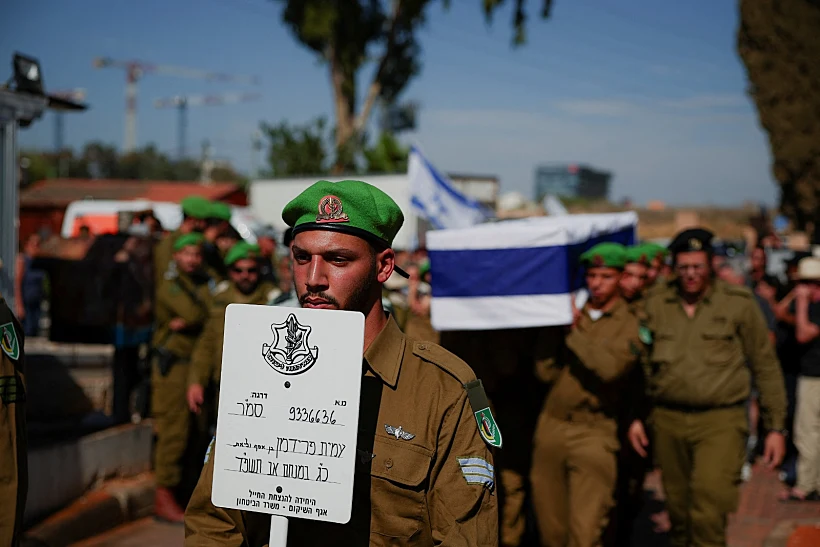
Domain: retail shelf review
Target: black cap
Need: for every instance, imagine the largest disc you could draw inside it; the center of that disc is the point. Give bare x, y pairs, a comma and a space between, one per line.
692, 240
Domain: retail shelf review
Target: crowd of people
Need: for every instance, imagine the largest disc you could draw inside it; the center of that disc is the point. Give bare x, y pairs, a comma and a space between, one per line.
679, 362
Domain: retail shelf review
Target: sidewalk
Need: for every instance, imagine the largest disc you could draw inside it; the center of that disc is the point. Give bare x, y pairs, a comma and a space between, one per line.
763, 520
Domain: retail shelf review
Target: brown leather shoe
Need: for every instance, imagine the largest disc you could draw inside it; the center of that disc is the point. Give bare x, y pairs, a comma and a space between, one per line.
166, 507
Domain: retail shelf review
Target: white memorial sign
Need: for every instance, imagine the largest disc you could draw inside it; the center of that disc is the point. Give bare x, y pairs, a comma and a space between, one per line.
288, 411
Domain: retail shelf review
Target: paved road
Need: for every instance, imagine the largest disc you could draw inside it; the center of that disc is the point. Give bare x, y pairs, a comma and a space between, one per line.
139, 534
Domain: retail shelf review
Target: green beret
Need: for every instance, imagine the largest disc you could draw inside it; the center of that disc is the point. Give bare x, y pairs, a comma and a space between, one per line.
654, 250
184, 240
609, 255
692, 240
219, 210
241, 251
640, 254
195, 207
350, 206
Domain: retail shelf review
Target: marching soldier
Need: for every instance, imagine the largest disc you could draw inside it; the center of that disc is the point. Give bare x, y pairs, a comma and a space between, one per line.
656, 255
243, 288
13, 455
576, 440
632, 467
432, 486
194, 212
180, 312
703, 333
217, 223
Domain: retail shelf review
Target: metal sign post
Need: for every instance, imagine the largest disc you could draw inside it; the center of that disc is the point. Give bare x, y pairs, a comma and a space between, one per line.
14, 107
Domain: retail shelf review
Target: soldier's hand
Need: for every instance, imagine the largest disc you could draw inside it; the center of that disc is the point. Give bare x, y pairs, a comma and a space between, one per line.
774, 449
177, 324
637, 438
196, 396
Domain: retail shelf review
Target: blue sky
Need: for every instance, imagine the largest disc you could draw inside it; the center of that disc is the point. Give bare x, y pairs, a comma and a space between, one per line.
652, 91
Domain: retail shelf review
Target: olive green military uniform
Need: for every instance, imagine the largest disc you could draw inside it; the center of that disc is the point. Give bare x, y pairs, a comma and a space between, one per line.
434, 489
632, 467
505, 360
13, 455
178, 295
206, 360
698, 381
576, 440
163, 255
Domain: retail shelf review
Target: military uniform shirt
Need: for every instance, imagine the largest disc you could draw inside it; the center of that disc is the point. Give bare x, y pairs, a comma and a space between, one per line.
13, 454
408, 492
174, 299
700, 362
206, 361
597, 358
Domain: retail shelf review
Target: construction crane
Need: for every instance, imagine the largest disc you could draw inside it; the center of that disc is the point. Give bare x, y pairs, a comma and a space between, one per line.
182, 102
134, 70
74, 95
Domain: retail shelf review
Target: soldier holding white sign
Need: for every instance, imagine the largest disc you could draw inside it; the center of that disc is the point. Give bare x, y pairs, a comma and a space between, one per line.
424, 473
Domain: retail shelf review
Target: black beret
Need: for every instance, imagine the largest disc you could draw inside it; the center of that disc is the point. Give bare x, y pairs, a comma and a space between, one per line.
692, 240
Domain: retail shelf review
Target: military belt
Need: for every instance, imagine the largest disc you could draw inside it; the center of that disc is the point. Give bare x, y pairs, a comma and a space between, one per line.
694, 409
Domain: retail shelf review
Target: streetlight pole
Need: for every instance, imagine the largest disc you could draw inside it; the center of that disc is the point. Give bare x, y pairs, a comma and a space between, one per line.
15, 107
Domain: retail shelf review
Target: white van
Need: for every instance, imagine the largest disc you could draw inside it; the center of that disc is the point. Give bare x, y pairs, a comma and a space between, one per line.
103, 216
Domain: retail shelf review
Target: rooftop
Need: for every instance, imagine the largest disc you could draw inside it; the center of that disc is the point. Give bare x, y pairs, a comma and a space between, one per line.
61, 192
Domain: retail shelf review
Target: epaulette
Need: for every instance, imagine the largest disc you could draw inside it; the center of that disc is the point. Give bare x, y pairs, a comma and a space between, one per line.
433, 353
480, 404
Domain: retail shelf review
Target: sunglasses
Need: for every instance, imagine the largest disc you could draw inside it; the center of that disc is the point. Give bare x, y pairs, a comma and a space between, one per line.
246, 270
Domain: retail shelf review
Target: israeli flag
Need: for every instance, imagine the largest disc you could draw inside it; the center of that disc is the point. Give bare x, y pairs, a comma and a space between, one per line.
435, 198
517, 273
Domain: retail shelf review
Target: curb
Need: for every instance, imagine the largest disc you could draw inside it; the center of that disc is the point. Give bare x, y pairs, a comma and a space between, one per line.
115, 503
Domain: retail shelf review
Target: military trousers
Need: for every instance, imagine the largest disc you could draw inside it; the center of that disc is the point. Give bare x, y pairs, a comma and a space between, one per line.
700, 455
179, 432
574, 468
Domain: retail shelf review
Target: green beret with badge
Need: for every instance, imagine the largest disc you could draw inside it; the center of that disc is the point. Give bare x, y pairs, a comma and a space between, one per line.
653, 250
639, 254
349, 206
691, 241
185, 240
196, 207
219, 211
605, 255
241, 251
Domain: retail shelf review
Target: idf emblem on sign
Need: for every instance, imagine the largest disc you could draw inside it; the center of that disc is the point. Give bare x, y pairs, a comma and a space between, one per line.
289, 353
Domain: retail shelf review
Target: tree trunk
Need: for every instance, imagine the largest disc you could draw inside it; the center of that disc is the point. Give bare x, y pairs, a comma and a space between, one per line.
344, 108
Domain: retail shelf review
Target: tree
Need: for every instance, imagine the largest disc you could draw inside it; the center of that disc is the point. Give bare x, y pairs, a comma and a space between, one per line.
346, 35
779, 45
387, 155
298, 149
101, 161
